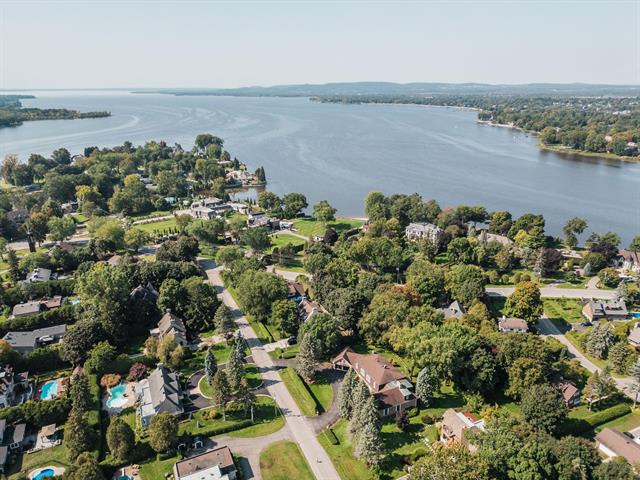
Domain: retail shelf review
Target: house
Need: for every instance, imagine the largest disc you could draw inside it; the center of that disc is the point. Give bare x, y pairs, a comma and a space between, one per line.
455, 310
512, 325
485, 238
173, 325
18, 216
209, 208
421, 231
570, 393
48, 436
170, 200
69, 207
595, 310
613, 443
159, 393
307, 309
115, 260
36, 306
634, 336
144, 293
28, 341
39, 275
629, 261
260, 219
296, 291
14, 436
15, 388
389, 386
241, 208
215, 464
455, 424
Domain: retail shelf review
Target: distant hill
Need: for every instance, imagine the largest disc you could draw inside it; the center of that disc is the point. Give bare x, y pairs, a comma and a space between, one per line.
388, 88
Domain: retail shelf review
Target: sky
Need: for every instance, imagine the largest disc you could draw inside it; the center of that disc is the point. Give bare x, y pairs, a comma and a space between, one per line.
216, 44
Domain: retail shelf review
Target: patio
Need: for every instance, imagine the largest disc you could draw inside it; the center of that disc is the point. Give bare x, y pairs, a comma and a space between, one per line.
132, 472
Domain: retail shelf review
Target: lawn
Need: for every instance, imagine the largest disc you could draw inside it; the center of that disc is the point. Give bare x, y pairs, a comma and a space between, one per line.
300, 393
267, 419
196, 362
624, 424
161, 227
322, 391
341, 455
282, 239
561, 310
51, 456
157, 469
309, 227
272, 466
251, 373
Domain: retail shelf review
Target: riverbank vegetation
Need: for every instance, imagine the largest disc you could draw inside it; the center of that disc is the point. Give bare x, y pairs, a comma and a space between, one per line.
12, 113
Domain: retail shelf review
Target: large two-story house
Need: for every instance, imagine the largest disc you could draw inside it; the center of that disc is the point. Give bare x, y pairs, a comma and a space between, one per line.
159, 393
171, 325
15, 388
421, 231
389, 386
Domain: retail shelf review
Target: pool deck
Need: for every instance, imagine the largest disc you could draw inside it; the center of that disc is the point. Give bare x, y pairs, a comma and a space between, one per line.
57, 471
130, 471
130, 395
62, 386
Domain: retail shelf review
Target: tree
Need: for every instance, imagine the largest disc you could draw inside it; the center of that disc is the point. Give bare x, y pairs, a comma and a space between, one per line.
523, 373
61, 228
453, 462
207, 231
100, 357
163, 432
634, 246
345, 394
135, 238
221, 391
634, 373
571, 229
284, 315
223, 320
600, 339
548, 261
346, 306
525, 302
619, 355
80, 339
543, 407
609, 277
465, 283
323, 212
80, 392
307, 358
203, 140
617, 469
235, 364
402, 421
15, 273
375, 206
369, 446
424, 387
77, 434
85, 467
269, 201
294, 204
323, 328
61, 156
600, 385
257, 239
577, 458
245, 397
428, 279
170, 353
108, 229
210, 365
460, 250
257, 290
120, 439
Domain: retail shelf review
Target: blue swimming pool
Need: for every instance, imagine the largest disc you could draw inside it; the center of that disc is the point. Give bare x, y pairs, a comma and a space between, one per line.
49, 390
635, 315
47, 472
117, 397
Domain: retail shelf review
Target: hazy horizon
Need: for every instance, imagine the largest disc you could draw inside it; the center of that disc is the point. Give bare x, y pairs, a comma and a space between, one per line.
199, 44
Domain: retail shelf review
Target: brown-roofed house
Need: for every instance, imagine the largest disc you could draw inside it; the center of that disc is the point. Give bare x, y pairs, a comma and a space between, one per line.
629, 260
216, 464
295, 291
173, 325
570, 393
614, 443
390, 387
453, 427
307, 309
512, 325
36, 306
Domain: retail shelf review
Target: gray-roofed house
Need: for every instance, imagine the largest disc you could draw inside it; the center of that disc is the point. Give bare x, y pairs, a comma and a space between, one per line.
159, 393
455, 310
512, 325
485, 238
14, 436
26, 342
15, 388
421, 231
595, 310
215, 464
28, 308
634, 336
172, 325
39, 275
18, 216
4, 456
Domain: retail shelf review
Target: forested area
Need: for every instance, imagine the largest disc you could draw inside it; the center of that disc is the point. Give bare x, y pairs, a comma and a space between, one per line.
13, 114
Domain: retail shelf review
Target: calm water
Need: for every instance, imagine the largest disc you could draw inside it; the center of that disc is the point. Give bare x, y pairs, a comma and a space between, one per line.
341, 152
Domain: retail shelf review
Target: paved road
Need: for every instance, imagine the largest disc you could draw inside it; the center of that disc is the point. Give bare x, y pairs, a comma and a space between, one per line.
301, 429
554, 292
547, 328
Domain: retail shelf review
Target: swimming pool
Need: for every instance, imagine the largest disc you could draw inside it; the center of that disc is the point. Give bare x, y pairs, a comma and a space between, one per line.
116, 396
635, 315
44, 473
49, 390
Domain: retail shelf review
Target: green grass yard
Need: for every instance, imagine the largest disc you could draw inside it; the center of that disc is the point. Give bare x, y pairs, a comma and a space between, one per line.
562, 311
161, 227
300, 393
309, 227
251, 373
282, 239
272, 466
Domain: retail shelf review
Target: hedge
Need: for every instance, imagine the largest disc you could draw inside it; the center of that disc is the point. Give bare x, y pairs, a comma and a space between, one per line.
578, 426
64, 314
39, 413
330, 436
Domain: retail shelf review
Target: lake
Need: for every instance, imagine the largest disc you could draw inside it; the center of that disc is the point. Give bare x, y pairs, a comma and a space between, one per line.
342, 152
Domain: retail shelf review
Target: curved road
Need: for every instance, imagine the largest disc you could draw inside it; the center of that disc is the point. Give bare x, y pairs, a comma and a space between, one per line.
301, 429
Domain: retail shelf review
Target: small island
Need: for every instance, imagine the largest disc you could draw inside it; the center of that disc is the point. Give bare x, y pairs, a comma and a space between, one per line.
13, 114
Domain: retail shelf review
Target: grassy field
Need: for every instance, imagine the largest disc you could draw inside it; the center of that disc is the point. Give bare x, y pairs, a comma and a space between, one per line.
282, 239
56, 456
272, 466
163, 226
298, 390
157, 469
322, 391
561, 310
196, 362
309, 227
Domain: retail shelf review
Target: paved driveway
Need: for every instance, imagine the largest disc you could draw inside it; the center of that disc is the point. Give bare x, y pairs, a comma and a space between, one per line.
553, 292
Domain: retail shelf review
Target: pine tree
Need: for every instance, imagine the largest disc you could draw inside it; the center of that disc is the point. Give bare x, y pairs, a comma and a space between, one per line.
599, 340
634, 373
15, 274
223, 320
235, 366
369, 447
424, 387
77, 434
221, 392
245, 397
80, 392
618, 355
210, 365
120, 439
363, 409
345, 394
307, 359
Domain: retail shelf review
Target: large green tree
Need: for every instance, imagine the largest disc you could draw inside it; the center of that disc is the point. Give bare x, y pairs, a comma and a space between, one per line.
525, 302
543, 407
120, 439
163, 432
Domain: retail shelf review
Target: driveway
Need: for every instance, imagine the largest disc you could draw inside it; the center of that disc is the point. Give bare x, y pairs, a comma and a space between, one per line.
553, 292
301, 429
286, 274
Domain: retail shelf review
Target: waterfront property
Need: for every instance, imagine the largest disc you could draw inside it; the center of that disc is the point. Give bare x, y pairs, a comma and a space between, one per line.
159, 393
215, 464
389, 386
629, 261
27, 342
485, 238
595, 310
424, 231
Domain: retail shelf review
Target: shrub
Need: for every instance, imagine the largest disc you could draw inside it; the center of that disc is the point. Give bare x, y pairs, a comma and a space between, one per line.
109, 380
427, 419
137, 372
65, 314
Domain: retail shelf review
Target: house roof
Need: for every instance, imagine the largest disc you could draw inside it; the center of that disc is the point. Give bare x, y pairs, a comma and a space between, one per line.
3, 455
566, 388
620, 444
18, 433
377, 367
48, 430
30, 338
455, 423
608, 307
218, 457
309, 308
170, 322
423, 227
43, 274
28, 308
455, 310
486, 237
115, 260
511, 323
390, 397
163, 392
630, 256
296, 288
53, 302
634, 335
